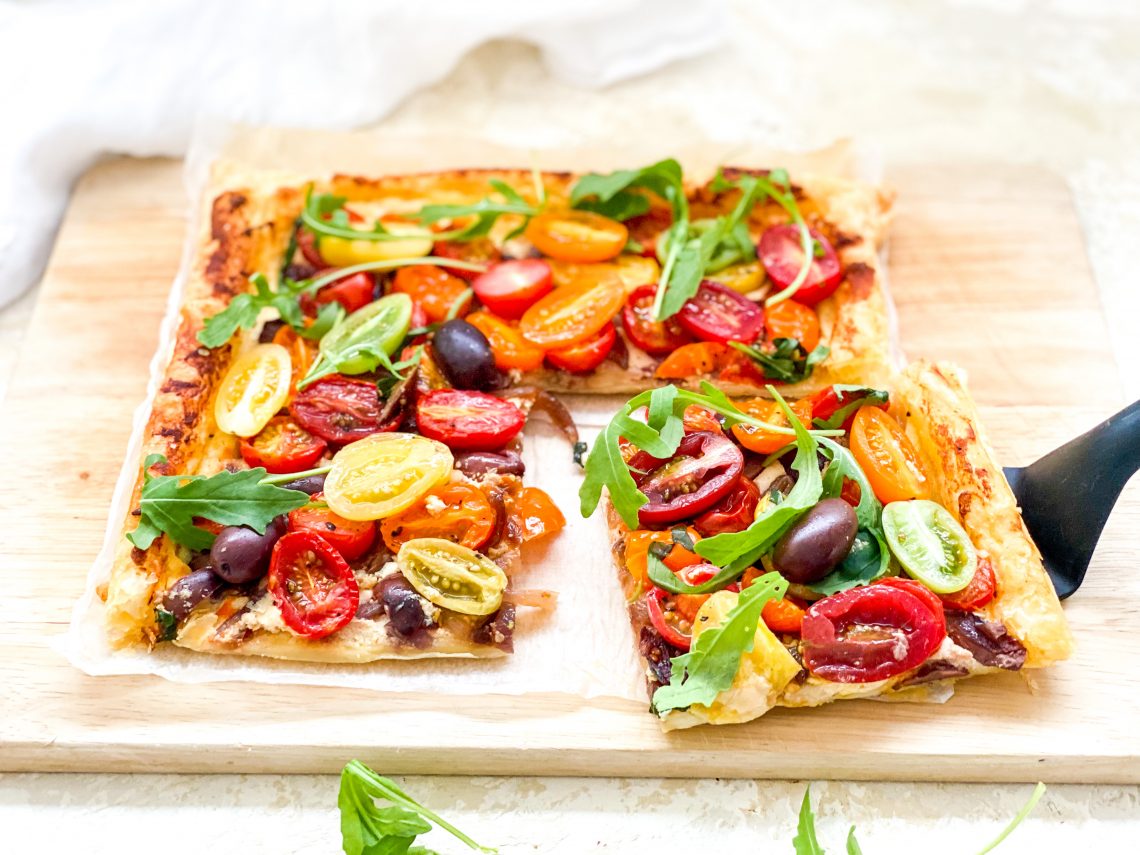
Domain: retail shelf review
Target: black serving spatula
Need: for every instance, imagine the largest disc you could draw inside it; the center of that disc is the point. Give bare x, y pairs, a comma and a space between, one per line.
1067, 495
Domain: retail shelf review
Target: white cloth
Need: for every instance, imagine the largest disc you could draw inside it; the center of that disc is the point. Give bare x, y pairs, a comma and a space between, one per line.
83, 79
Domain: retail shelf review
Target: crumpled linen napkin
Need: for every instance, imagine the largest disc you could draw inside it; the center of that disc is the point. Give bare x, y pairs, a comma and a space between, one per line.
82, 79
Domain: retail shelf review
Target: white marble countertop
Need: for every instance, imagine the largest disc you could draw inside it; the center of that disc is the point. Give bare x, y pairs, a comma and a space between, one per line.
1052, 83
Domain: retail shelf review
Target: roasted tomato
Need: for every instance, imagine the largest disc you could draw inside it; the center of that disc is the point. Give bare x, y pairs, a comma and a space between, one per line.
300, 352
353, 292
340, 409
928, 597
792, 319
982, 589
868, 634
508, 346
307, 243
704, 469
719, 314
657, 338
782, 255
468, 421
434, 290
312, 585
586, 355
457, 512
765, 441
351, 538
573, 313
669, 623
480, 251
637, 545
784, 616
511, 287
577, 235
888, 458
735, 512
540, 515
693, 360
283, 446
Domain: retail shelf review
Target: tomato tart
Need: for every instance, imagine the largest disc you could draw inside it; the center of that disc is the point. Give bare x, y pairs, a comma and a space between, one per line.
861, 542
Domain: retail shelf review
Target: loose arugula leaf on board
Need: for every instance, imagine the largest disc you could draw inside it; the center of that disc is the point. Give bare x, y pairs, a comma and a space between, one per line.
856, 397
1027, 809
710, 667
805, 841
853, 847
169, 503
367, 829
787, 362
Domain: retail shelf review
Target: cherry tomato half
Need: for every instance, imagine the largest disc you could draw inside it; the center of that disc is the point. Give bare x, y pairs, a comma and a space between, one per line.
782, 254
704, 469
434, 290
511, 287
307, 243
468, 421
827, 402
637, 552
353, 292
928, 597
868, 634
577, 235
572, 313
351, 538
508, 346
982, 589
283, 446
480, 251
888, 458
312, 585
765, 441
540, 516
719, 314
657, 338
735, 512
586, 355
457, 512
668, 622
340, 409
792, 319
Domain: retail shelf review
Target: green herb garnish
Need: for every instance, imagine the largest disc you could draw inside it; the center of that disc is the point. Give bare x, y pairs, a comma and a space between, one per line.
855, 397
787, 362
167, 624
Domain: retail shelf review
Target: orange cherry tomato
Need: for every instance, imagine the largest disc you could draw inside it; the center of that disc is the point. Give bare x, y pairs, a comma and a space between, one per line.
784, 616
434, 289
508, 346
697, 418
539, 514
982, 589
586, 355
637, 552
300, 352
283, 446
457, 512
692, 360
888, 458
351, 538
577, 235
790, 319
765, 441
572, 314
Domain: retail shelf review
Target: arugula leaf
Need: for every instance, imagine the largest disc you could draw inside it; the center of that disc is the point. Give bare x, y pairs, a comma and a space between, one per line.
169, 503
241, 313
856, 396
787, 362
711, 665
390, 830
485, 212
167, 624
1034, 798
843, 465
805, 840
328, 316
853, 844
663, 179
867, 561
622, 206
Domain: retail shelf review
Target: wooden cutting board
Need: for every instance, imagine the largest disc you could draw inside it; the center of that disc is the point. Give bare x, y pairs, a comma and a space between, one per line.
987, 268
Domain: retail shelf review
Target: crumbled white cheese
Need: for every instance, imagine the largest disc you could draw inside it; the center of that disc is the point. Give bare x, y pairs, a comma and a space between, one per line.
263, 615
435, 505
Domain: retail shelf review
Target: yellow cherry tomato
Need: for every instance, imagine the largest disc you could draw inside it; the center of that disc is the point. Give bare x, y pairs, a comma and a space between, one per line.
342, 252
452, 576
742, 278
385, 473
253, 390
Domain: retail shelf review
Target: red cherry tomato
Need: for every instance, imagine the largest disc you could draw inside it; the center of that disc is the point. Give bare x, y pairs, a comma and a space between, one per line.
511, 287
353, 292
468, 421
664, 619
868, 634
735, 512
913, 586
312, 585
351, 538
656, 338
283, 446
307, 243
782, 254
719, 314
982, 589
584, 356
480, 250
340, 409
705, 468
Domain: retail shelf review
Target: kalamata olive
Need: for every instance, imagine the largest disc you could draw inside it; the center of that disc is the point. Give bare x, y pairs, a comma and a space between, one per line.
818, 541
464, 356
479, 463
190, 590
269, 330
241, 555
309, 484
405, 610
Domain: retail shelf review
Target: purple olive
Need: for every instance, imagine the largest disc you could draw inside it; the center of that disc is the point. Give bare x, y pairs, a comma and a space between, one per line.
241, 555
309, 484
464, 356
479, 463
818, 541
405, 610
190, 590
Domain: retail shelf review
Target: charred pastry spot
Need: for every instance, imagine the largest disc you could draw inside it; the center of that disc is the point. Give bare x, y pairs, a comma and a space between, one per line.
862, 279
842, 240
174, 385
174, 433
138, 556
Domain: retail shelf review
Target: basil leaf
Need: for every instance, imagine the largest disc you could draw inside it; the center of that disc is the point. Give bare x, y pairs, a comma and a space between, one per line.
805, 841
710, 667
169, 503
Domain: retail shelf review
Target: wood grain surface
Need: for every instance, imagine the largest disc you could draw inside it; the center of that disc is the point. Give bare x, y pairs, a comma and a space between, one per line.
987, 268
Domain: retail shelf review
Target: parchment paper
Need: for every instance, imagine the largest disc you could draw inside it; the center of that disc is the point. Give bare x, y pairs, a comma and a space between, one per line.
585, 646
